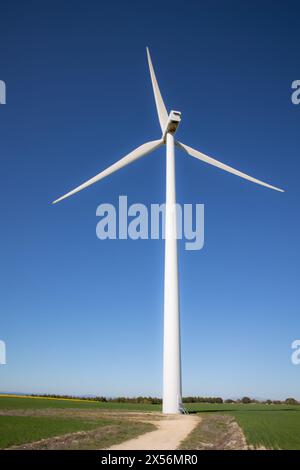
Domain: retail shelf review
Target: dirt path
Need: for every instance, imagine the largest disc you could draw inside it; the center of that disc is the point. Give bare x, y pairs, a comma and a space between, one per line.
168, 435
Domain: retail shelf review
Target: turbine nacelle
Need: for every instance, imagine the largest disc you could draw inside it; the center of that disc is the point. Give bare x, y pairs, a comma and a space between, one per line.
173, 121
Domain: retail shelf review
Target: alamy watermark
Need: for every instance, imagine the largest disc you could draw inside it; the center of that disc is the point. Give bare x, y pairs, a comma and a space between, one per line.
295, 357
2, 352
138, 222
2, 92
295, 97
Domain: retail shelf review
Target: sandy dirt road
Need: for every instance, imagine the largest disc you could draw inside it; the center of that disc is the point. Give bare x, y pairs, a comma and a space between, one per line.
170, 431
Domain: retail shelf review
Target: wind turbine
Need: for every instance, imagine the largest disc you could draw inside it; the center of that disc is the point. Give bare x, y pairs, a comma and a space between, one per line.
172, 397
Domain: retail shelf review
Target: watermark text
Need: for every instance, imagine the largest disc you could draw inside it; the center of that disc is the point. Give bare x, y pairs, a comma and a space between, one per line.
2, 92
295, 97
2, 352
137, 221
295, 357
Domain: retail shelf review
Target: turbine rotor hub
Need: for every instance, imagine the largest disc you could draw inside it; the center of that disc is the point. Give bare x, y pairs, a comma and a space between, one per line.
174, 119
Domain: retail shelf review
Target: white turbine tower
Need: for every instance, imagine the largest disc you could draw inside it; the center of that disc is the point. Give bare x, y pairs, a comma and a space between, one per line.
172, 399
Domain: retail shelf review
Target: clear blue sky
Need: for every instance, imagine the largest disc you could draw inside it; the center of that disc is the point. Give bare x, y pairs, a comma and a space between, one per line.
80, 315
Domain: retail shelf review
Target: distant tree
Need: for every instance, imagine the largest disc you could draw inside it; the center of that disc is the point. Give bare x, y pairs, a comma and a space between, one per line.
291, 401
193, 399
246, 400
229, 400
156, 401
268, 402
102, 399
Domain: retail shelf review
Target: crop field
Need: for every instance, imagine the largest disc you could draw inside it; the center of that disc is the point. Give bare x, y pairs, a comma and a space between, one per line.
269, 426
38, 423
11, 402
271, 429
97, 425
18, 429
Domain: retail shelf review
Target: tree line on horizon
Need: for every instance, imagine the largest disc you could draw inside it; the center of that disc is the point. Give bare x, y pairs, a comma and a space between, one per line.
158, 401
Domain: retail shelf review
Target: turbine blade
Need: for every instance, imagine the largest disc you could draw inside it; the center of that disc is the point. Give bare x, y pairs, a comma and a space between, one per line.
160, 106
212, 161
134, 155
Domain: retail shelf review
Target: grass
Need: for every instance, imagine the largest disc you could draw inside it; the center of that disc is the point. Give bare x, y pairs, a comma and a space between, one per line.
270, 426
27, 420
271, 429
234, 407
91, 434
14, 403
20, 429
212, 433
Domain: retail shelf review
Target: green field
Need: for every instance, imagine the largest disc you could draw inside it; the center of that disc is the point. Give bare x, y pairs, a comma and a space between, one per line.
270, 426
39, 403
27, 420
19, 429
